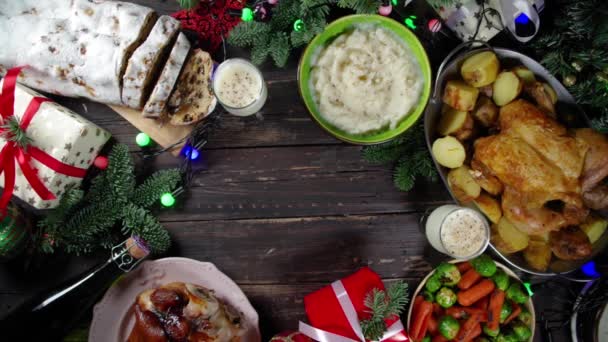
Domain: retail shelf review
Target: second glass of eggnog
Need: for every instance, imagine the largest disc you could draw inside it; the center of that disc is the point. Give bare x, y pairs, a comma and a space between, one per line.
461, 233
239, 87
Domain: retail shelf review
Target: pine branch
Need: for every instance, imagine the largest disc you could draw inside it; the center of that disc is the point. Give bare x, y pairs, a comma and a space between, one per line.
154, 186
120, 173
279, 49
383, 154
248, 33
360, 6
138, 221
382, 305
259, 53
12, 131
284, 15
600, 124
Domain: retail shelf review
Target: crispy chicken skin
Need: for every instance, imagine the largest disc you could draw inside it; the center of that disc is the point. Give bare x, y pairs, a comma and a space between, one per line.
538, 162
595, 171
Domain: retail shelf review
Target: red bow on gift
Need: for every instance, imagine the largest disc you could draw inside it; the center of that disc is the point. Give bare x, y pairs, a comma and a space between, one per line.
12, 151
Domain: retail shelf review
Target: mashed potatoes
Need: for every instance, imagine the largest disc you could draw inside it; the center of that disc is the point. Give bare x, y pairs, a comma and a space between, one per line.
366, 80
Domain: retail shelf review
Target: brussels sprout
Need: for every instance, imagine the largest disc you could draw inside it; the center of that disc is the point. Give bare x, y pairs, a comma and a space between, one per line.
505, 311
525, 316
448, 327
428, 296
489, 332
448, 274
484, 265
445, 297
508, 337
521, 331
501, 279
426, 338
516, 293
433, 284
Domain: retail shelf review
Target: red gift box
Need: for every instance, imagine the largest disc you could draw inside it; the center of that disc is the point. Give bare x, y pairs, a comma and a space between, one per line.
326, 312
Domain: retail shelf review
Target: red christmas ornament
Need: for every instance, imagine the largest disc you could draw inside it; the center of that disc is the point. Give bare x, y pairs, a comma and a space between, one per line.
273, 2
434, 25
101, 162
210, 21
385, 10
291, 336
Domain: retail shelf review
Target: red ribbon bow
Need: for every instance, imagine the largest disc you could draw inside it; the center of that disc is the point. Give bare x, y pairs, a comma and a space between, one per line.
12, 151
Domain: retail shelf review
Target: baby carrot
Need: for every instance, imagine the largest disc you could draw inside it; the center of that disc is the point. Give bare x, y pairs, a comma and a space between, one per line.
433, 325
464, 266
482, 303
475, 293
418, 323
515, 313
476, 332
469, 278
467, 328
497, 299
439, 338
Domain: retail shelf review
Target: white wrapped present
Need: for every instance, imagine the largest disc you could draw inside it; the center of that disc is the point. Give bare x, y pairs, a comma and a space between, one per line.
59, 139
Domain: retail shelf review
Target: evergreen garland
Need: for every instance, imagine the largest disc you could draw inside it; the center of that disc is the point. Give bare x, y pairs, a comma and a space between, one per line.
576, 49
382, 305
276, 38
84, 222
408, 154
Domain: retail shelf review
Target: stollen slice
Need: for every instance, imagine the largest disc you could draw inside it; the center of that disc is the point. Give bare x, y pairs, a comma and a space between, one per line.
193, 99
157, 103
146, 62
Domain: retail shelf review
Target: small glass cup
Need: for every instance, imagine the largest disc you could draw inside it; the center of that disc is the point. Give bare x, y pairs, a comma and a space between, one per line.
227, 75
434, 223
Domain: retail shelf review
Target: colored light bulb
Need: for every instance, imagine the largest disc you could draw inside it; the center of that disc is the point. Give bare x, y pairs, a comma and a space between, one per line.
298, 25
143, 140
528, 287
247, 14
590, 270
101, 162
167, 200
395, 2
409, 22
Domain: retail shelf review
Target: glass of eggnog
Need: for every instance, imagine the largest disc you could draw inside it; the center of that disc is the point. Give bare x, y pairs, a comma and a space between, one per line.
459, 232
239, 87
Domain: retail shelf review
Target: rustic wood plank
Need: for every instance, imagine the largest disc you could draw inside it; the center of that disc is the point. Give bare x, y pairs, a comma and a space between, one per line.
295, 182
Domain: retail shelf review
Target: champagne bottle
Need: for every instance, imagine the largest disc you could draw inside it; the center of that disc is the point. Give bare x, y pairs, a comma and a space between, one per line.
50, 315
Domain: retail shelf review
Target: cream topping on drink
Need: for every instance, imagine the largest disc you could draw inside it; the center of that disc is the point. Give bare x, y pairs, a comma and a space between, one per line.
463, 233
238, 85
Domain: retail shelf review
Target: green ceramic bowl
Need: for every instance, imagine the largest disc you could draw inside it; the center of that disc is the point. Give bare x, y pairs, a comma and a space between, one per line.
332, 31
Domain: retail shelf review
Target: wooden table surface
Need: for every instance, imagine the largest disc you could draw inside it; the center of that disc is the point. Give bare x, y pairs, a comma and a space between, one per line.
283, 208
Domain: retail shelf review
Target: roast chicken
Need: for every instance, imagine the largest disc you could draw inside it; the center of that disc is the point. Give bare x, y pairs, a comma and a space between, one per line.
551, 176
180, 312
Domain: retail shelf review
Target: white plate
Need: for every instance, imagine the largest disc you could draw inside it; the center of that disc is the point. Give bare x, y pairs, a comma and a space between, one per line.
113, 316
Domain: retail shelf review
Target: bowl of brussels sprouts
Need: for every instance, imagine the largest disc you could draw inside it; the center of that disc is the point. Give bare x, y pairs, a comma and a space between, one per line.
479, 300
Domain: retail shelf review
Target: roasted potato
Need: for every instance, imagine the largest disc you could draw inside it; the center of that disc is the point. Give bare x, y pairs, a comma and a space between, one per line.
485, 112
449, 152
570, 243
456, 123
480, 69
460, 95
514, 239
489, 206
506, 88
499, 243
543, 98
524, 74
464, 188
486, 181
487, 90
594, 227
538, 254
551, 92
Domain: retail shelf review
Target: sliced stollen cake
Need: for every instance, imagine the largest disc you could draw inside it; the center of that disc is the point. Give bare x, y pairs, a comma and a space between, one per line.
72, 47
146, 61
157, 103
193, 98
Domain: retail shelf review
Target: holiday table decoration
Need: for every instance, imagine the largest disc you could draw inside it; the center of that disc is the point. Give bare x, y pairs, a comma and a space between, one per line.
14, 232
46, 148
356, 308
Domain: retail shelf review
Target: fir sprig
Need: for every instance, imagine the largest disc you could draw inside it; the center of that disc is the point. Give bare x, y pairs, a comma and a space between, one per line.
13, 132
409, 155
84, 222
382, 305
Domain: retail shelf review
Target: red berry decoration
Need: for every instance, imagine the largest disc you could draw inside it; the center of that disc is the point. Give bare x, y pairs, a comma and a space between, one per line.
385, 10
273, 2
291, 336
101, 162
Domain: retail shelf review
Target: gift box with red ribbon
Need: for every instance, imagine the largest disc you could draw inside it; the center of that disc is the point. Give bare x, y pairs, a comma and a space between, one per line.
334, 311
44, 148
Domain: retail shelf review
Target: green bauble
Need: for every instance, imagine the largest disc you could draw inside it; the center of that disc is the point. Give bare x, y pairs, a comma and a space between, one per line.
602, 77
13, 236
569, 80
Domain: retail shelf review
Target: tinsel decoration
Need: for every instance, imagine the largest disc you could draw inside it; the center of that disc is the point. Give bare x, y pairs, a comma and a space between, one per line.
14, 232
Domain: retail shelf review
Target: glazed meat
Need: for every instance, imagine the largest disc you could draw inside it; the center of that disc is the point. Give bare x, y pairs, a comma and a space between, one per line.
183, 312
539, 163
